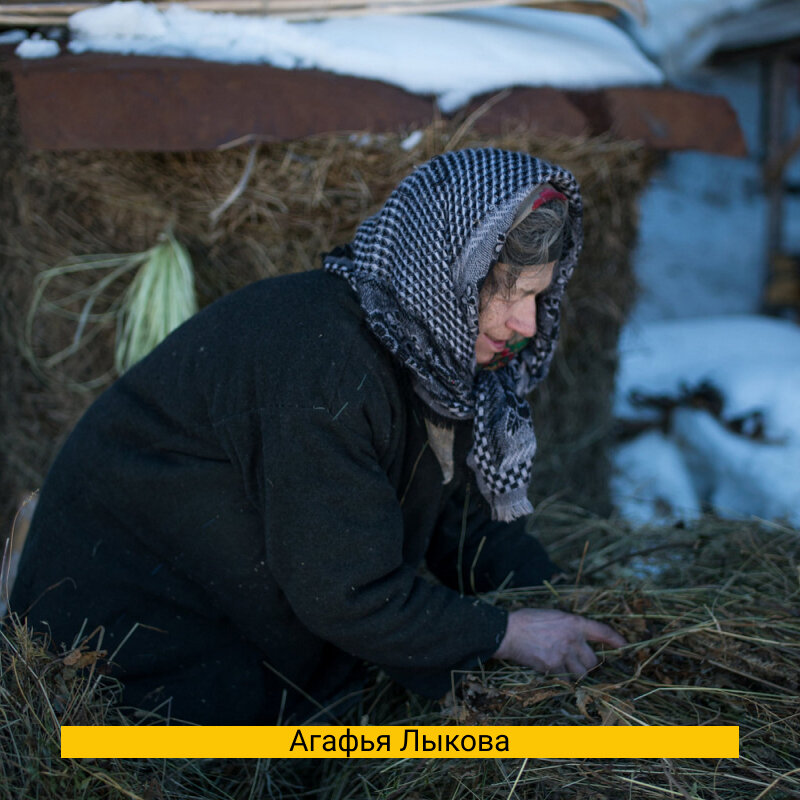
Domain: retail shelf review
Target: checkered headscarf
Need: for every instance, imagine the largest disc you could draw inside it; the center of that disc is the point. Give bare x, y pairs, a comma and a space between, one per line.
417, 267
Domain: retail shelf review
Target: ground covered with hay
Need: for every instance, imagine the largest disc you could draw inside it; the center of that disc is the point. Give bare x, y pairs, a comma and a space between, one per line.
712, 614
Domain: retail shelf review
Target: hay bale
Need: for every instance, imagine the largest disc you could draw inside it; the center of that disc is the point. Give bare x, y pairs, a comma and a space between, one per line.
301, 198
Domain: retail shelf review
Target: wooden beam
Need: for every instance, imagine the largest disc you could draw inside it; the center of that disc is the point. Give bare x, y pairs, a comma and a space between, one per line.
58, 13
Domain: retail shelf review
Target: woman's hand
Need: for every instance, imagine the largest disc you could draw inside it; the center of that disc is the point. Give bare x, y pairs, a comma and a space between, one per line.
554, 641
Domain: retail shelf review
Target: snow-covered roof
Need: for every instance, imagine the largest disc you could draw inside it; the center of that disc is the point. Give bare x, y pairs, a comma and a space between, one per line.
454, 56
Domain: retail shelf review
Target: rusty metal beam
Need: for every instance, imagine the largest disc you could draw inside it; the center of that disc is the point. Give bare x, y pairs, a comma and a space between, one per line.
543, 111
112, 102
671, 119
98, 101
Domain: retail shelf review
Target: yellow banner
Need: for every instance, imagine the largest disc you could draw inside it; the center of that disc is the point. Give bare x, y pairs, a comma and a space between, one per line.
364, 741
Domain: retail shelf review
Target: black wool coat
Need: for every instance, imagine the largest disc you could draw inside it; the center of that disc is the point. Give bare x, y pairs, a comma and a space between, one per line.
245, 513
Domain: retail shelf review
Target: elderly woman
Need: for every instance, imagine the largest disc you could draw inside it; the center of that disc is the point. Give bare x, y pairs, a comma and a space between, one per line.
245, 512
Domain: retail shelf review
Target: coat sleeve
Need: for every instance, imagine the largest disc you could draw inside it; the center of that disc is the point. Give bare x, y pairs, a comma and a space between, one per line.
334, 540
472, 553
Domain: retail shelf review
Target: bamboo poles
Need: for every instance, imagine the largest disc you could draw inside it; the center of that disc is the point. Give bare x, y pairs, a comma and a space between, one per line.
58, 13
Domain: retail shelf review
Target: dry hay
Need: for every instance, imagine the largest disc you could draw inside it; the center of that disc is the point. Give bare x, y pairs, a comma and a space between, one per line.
300, 199
40, 692
714, 638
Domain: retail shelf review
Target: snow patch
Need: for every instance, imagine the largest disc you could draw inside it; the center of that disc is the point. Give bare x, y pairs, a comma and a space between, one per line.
755, 363
742, 478
411, 141
651, 483
681, 34
37, 47
13, 37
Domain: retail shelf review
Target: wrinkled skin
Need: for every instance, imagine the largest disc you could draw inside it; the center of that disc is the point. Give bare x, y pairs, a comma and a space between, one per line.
507, 316
554, 641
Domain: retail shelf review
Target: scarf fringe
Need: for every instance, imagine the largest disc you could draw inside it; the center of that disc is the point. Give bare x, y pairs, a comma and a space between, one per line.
507, 509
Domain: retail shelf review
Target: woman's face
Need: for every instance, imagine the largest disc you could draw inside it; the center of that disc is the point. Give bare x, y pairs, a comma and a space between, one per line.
507, 316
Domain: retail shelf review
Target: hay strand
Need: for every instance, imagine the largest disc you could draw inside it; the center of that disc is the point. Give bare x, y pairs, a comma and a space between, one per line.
159, 298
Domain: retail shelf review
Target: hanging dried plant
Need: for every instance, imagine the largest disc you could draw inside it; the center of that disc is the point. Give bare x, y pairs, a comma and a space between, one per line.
159, 298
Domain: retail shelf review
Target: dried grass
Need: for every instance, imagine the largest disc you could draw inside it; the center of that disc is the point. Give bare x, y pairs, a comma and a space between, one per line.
714, 638
40, 692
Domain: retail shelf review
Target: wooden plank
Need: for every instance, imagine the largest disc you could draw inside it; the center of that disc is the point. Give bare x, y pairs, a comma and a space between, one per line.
58, 13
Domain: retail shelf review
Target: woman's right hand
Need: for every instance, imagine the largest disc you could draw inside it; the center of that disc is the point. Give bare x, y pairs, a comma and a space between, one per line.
554, 641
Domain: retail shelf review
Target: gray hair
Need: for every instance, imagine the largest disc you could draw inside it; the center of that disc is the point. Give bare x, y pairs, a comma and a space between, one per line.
535, 240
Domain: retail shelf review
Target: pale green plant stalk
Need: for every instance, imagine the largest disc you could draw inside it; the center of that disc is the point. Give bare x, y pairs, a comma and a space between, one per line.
160, 298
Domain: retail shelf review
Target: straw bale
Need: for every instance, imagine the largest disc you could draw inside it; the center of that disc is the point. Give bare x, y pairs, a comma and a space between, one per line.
300, 198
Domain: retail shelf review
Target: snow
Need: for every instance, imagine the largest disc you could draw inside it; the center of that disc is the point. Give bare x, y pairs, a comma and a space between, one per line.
741, 478
37, 47
651, 483
13, 36
702, 238
453, 56
411, 141
754, 360
755, 363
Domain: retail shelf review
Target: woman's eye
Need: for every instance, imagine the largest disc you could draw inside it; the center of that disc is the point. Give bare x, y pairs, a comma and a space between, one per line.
525, 296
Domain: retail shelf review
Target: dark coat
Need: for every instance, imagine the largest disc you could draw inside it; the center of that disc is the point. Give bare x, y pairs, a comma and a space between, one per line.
246, 511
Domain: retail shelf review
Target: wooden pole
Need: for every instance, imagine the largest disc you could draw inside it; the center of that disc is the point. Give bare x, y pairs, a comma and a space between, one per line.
775, 101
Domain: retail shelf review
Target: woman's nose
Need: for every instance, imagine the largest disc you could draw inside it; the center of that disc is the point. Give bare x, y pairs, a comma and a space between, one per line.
522, 319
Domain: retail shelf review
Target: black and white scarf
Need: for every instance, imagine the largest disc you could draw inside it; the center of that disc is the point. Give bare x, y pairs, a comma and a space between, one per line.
417, 267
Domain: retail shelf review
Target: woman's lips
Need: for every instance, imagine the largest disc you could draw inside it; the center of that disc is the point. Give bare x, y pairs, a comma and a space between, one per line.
495, 344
